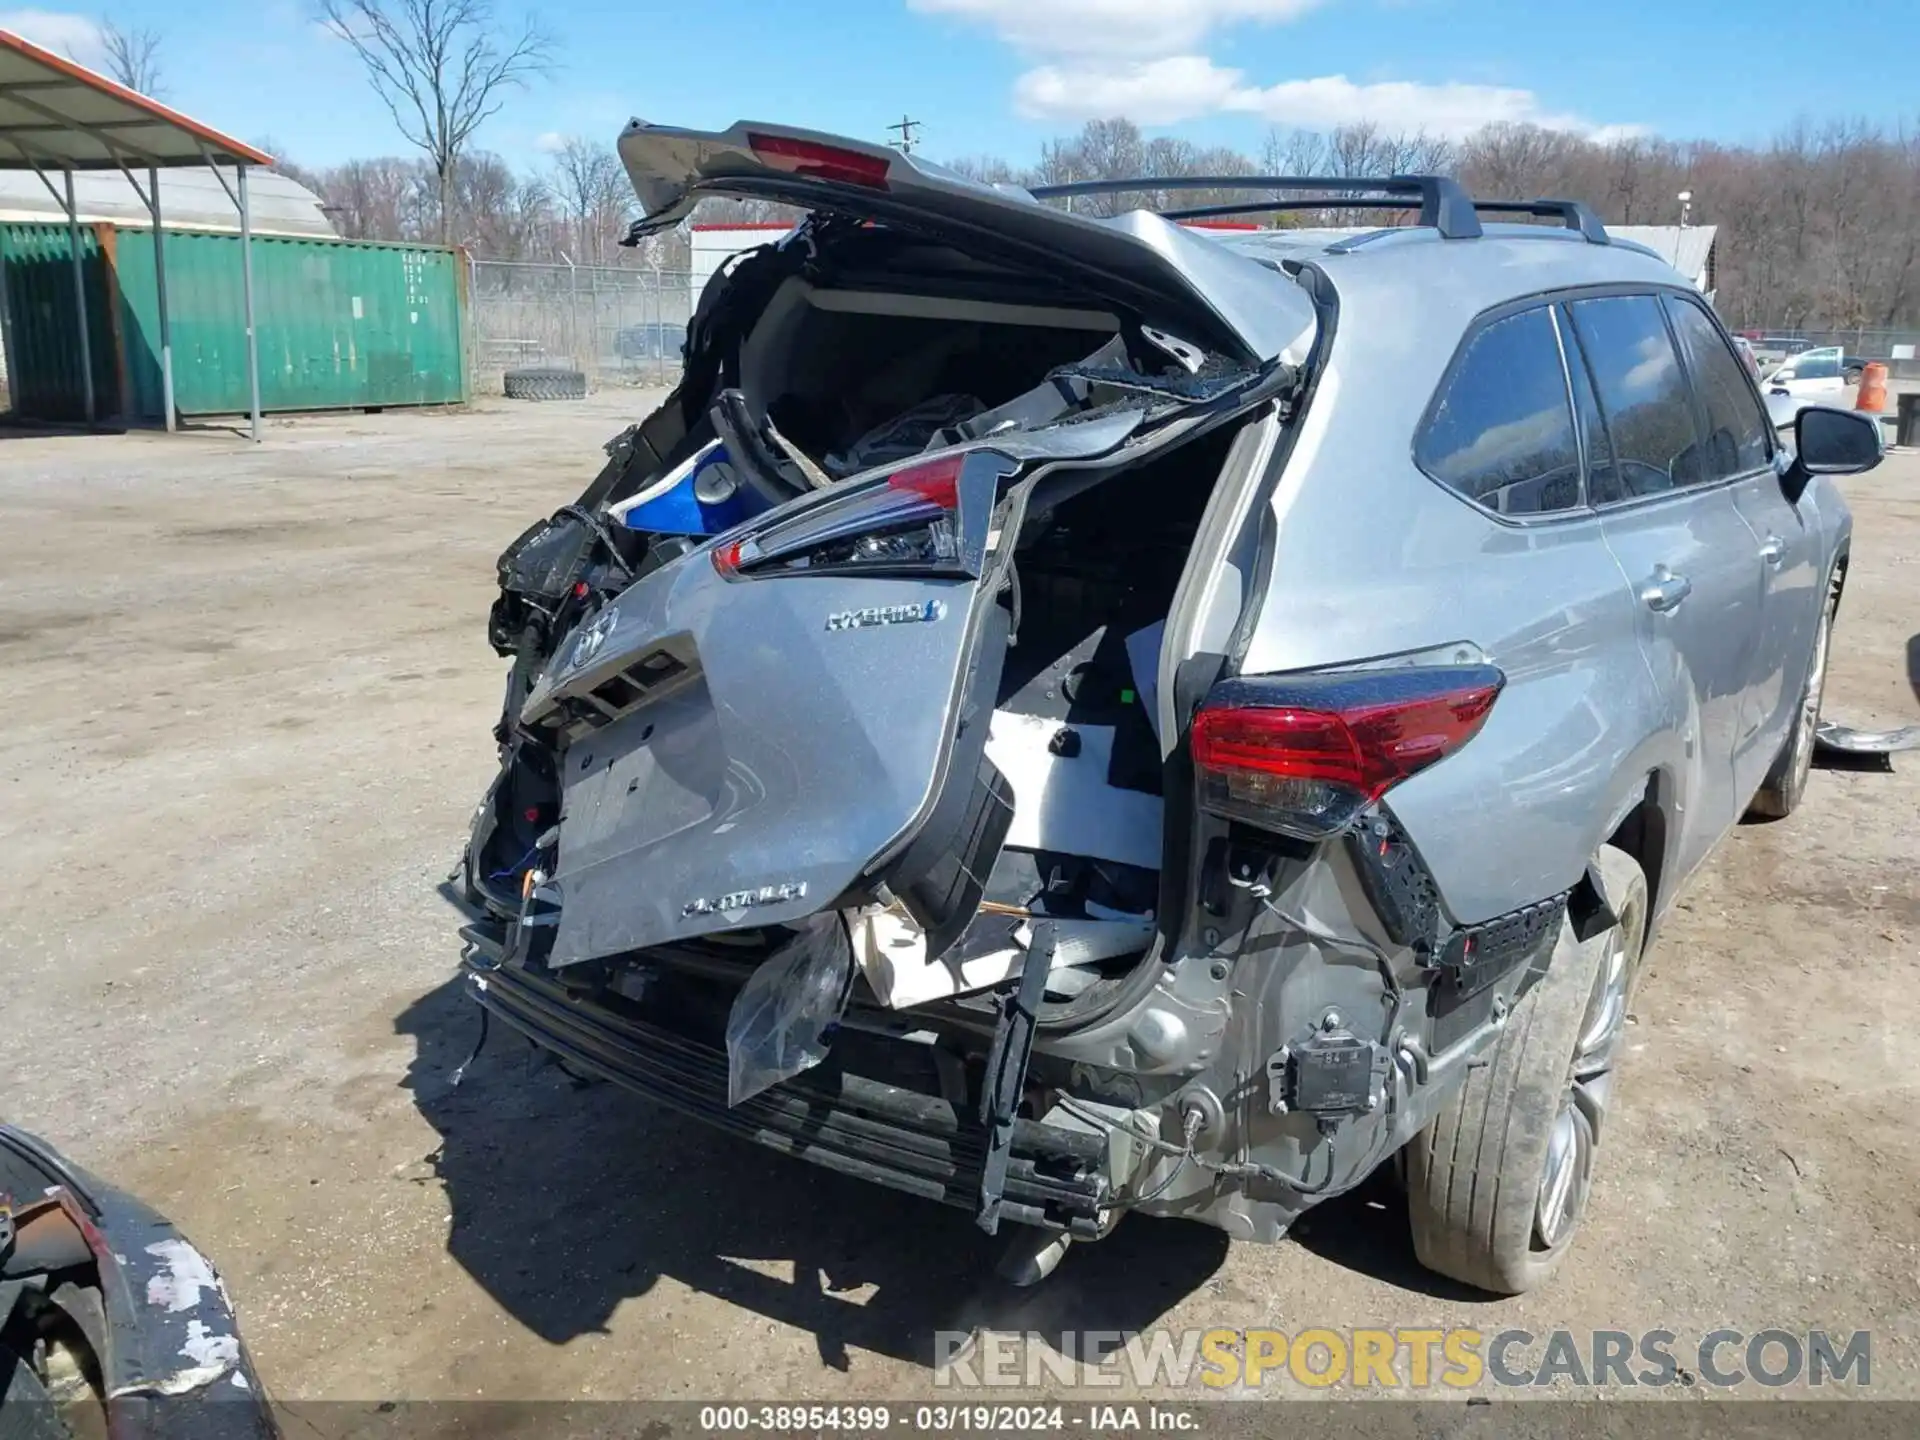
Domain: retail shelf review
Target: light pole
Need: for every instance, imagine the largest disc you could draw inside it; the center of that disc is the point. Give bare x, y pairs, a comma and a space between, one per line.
1685, 197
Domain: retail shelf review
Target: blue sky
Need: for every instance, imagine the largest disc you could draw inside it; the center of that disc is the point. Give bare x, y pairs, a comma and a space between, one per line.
1000, 76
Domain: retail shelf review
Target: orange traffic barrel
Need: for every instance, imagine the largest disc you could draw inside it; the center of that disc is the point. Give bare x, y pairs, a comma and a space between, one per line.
1873, 388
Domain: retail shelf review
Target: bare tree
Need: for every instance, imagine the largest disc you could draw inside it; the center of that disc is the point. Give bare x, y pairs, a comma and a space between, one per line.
1820, 227
133, 57
589, 181
987, 170
441, 67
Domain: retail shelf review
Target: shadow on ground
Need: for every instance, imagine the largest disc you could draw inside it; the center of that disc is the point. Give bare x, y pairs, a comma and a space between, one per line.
567, 1199
1366, 1231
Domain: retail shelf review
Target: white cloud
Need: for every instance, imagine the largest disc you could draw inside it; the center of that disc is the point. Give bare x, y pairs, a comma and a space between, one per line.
75, 36
1450, 110
1182, 87
1145, 59
550, 142
1149, 92
1144, 29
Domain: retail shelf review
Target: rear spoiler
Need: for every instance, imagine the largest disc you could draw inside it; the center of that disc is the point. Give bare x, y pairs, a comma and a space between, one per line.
1141, 263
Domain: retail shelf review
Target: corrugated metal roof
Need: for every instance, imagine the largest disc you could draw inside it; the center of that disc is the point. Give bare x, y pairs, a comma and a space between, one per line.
1687, 248
189, 200
62, 116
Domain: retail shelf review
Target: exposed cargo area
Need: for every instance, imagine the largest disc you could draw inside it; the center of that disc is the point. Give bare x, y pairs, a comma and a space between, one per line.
1007, 772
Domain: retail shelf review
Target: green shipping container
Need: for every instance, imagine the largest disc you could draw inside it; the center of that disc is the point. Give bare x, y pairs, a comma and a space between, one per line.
342, 323
43, 343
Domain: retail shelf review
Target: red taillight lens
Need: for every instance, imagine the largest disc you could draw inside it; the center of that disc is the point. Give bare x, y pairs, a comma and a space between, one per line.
726, 558
913, 522
1304, 755
937, 481
820, 161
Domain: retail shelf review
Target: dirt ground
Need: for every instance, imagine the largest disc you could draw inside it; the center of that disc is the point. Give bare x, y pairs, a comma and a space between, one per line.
249, 700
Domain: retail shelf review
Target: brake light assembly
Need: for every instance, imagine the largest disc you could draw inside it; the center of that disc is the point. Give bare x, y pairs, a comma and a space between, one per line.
1306, 755
926, 519
819, 160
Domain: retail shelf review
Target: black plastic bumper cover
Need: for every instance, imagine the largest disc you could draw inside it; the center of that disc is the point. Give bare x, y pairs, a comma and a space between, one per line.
172, 1364
860, 1127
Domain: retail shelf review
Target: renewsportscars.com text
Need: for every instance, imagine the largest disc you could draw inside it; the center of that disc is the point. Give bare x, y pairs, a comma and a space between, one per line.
1403, 1359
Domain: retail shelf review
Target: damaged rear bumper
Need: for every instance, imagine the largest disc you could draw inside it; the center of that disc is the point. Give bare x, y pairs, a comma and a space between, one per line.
922, 1144
170, 1362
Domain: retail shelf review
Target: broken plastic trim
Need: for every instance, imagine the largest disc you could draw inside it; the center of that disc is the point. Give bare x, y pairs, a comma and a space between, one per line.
1866, 742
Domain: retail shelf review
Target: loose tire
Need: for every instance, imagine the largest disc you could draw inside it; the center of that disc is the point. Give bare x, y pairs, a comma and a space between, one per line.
1509, 1158
1780, 793
545, 382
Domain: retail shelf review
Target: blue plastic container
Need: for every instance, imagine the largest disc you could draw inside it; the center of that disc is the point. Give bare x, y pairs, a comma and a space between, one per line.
703, 497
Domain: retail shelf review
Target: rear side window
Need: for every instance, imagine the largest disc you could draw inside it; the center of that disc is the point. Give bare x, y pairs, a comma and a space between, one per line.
1643, 395
1500, 431
1820, 367
1736, 425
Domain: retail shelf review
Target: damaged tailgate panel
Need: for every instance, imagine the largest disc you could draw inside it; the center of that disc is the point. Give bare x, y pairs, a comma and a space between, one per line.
786, 729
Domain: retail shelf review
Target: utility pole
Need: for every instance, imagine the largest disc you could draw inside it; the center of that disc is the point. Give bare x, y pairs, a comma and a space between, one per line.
906, 127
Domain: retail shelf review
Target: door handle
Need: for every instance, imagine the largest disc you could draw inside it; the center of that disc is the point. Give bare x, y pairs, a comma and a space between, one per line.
1773, 550
1665, 590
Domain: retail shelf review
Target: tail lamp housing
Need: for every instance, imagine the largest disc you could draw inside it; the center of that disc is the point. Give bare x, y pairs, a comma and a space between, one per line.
1304, 755
928, 518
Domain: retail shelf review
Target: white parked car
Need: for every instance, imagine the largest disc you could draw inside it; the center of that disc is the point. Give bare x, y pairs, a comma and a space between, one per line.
1813, 377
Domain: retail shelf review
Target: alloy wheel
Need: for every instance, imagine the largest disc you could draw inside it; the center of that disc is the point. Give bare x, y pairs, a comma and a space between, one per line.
1567, 1177
1810, 703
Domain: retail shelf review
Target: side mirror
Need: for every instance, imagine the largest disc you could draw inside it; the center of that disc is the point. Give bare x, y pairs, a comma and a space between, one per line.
1827, 441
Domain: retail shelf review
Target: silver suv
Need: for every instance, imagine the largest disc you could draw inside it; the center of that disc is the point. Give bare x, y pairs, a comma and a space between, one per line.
1065, 716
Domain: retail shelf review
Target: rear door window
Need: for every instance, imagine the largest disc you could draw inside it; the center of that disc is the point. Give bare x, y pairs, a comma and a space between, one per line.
1643, 395
1603, 481
1500, 431
1736, 424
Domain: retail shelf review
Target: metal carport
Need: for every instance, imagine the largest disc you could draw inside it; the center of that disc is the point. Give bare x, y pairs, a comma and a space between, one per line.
56, 116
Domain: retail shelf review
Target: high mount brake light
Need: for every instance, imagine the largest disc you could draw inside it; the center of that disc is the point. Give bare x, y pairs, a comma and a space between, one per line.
916, 521
820, 161
1304, 755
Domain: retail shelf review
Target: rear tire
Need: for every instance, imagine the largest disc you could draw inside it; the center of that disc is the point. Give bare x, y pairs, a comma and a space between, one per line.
1781, 792
1497, 1184
544, 382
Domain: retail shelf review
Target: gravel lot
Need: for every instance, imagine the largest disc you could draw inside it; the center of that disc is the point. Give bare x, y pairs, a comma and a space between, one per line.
250, 705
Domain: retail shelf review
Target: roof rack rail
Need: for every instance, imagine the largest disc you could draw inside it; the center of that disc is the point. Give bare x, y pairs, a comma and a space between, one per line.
1443, 204
1572, 214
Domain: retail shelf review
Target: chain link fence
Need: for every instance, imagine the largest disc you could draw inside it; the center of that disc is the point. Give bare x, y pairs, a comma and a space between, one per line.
622, 325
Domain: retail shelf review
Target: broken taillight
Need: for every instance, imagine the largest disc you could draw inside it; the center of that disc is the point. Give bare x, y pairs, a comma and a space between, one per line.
820, 161
1305, 754
927, 518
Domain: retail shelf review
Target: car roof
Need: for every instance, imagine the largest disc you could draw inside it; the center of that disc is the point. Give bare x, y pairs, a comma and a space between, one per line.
1505, 263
